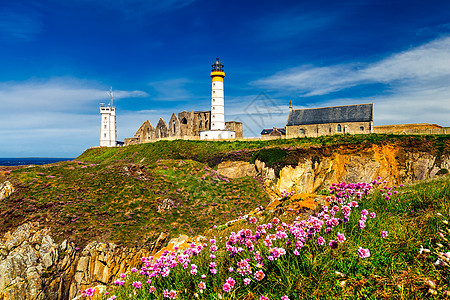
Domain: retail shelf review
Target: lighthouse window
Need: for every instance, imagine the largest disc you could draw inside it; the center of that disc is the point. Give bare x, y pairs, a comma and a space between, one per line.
214, 107
214, 92
105, 126
104, 135
214, 84
214, 100
106, 118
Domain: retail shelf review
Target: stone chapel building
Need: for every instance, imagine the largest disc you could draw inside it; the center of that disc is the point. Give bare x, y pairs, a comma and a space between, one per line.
314, 122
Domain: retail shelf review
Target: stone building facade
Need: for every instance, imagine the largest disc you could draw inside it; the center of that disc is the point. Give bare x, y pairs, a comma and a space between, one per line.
185, 125
352, 119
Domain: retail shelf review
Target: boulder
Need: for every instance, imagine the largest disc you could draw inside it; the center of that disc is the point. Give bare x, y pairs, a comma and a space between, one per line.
236, 169
6, 189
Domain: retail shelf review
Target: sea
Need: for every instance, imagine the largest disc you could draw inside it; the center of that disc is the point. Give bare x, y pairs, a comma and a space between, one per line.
31, 161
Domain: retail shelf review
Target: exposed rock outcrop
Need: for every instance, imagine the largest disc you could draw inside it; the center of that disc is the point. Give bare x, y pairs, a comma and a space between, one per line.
33, 266
236, 169
314, 172
6, 189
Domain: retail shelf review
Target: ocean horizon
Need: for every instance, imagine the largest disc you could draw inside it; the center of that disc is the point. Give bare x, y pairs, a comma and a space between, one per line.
21, 161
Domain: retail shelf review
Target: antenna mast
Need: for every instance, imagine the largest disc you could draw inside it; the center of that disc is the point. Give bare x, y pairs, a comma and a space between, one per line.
112, 96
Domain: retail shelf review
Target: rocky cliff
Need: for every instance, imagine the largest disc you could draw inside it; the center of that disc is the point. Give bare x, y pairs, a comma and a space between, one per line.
33, 266
318, 169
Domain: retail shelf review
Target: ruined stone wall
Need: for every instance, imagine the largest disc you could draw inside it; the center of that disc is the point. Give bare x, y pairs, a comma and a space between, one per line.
236, 127
421, 128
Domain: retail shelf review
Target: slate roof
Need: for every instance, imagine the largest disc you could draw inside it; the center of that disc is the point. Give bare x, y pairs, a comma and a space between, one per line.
336, 114
269, 131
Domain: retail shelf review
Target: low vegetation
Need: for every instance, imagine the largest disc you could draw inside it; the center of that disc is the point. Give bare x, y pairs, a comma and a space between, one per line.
123, 202
371, 242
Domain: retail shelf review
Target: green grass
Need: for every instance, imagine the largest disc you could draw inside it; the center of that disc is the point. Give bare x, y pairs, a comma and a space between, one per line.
118, 202
394, 270
275, 153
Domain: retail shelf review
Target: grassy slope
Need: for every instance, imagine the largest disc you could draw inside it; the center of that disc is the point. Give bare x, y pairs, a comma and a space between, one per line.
394, 270
118, 201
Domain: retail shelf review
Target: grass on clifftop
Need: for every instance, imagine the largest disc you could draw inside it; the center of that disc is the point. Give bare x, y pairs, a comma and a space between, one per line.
125, 203
273, 152
391, 255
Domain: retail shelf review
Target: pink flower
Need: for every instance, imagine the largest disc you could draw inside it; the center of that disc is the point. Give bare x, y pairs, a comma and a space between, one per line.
259, 275
149, 281
264, 298
363, 253
384, 234
122, 275
134, 270
202, 285
247, 281
226, 287
231, 282
152, 289
137, 284
320, 240
172, 294
285, 297
341, 237
113, 297
296, 253
333, 244
362, 224
230, 269
373, 215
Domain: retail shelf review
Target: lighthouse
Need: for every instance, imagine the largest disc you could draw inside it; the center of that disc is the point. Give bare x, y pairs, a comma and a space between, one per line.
108, 131
217, 106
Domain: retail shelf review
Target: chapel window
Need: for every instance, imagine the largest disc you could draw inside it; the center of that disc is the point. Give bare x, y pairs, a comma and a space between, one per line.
361, 128
339, 128
302, 131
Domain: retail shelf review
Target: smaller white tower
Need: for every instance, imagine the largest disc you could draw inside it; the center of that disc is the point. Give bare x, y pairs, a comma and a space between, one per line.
108, 131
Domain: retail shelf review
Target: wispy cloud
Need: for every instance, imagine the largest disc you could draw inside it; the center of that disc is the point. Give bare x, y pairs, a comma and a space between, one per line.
429, 62
57, 94
416, 82
36, 114
24, 25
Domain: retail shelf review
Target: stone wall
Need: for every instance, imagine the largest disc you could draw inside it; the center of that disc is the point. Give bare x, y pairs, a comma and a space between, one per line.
419, 128
316, 130
236, 127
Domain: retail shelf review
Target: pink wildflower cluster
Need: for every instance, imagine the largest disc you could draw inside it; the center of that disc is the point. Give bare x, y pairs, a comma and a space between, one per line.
286, 194
88, 292
254, 250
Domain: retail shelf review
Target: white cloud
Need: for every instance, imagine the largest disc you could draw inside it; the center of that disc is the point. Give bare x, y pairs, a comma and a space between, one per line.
56, 117
417, 81
57, 94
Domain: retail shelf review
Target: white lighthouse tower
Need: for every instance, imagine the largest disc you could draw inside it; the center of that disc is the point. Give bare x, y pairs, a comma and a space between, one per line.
108, 131
217, 106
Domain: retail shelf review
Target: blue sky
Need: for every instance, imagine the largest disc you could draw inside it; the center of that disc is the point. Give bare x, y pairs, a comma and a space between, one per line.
58, 59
